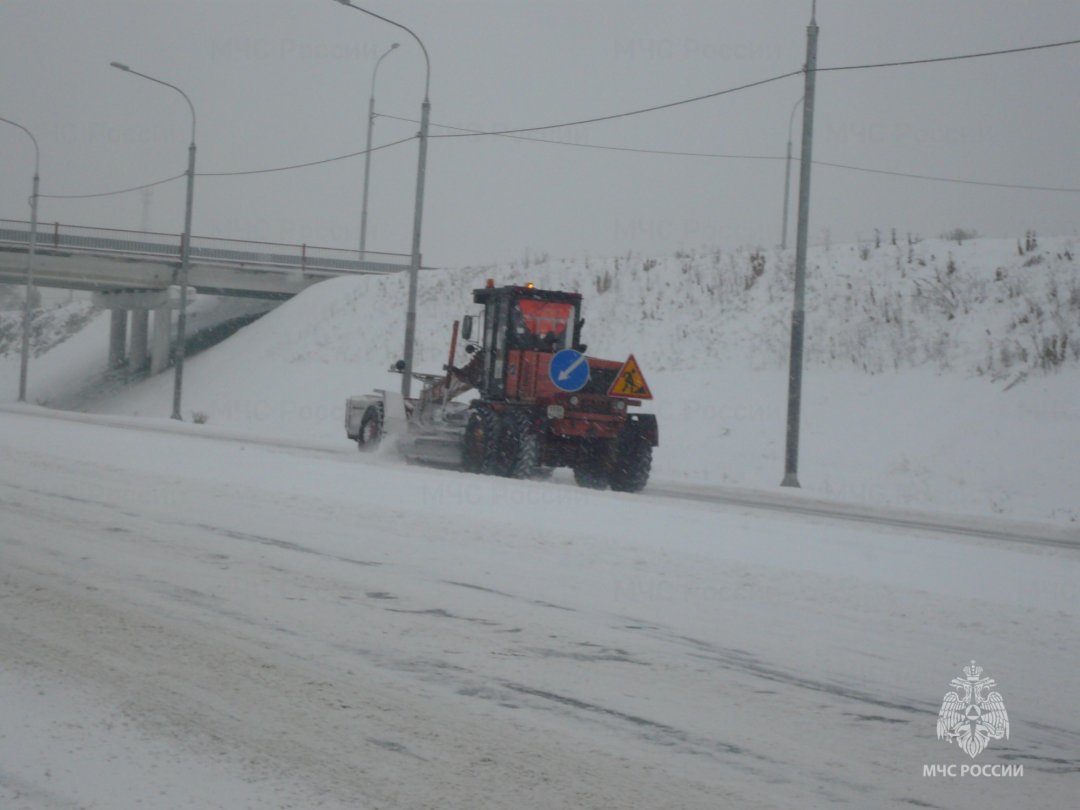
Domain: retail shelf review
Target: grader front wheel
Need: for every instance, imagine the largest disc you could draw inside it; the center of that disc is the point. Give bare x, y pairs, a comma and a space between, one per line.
632, 464
592, 471
504, 444
478, 453
371, 428
522, 445
489, 442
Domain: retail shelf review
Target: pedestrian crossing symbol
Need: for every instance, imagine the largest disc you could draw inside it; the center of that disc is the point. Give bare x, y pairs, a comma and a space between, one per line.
630, 382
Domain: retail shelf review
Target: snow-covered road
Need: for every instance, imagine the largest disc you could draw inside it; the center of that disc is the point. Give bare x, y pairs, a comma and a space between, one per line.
203, 623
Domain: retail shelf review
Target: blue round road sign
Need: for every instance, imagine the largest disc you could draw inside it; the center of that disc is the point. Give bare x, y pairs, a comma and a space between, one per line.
569, 370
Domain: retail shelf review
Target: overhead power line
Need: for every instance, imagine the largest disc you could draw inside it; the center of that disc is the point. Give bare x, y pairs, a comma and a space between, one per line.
728, 156
760, 83
587, 145
463, 132
111, 193
309, 163
228, 174
628, 113
962, 181
958, 58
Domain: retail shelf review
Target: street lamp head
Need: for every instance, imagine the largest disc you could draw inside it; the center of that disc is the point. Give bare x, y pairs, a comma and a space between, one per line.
395, 45
119, 65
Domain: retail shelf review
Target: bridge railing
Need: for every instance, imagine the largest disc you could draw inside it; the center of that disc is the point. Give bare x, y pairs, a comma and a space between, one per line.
269, 256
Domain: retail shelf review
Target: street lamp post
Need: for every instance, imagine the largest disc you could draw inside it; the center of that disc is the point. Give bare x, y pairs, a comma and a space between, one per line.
787, 175
185, 246
367, 152
24, 355
418, 212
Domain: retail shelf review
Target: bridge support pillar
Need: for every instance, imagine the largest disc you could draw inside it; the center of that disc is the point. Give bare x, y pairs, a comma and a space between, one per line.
139, 351
117, 337
159, 340
144, 339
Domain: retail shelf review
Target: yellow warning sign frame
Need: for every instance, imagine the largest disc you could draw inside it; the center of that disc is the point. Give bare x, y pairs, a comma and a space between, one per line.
630, 382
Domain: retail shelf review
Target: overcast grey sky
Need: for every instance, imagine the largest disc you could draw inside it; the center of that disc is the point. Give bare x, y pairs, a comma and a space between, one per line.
276, 82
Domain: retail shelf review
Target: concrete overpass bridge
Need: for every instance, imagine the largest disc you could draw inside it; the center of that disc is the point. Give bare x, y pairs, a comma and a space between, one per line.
134, 273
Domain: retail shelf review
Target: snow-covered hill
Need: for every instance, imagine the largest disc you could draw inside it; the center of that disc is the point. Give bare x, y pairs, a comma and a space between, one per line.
941, 374
57, 316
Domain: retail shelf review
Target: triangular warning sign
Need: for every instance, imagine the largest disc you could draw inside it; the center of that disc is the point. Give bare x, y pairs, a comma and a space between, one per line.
630, 382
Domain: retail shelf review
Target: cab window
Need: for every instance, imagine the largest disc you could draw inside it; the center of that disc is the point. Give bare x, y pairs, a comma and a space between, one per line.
541, 325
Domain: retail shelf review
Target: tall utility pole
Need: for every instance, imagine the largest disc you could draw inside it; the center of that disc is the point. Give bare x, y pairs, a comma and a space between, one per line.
367, 152
414, 265
798, 313
24, 352
185, 268
418, 211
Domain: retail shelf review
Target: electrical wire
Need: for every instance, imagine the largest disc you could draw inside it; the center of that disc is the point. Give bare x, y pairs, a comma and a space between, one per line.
939, 179
588, 145
309, 163
958, 58
761, 82
516, 133
111, 193
717, 155
226, 174
628, 113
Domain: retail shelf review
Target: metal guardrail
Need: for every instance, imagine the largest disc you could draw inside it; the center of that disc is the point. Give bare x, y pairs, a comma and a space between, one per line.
205, 249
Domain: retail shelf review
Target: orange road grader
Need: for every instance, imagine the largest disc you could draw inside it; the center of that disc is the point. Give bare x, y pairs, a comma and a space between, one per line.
541, 401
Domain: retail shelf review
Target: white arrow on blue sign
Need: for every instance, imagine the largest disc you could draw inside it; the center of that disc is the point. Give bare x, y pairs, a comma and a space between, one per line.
569, 370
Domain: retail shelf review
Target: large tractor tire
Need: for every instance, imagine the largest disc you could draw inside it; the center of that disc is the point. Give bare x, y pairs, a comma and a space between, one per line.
371, 428
472, 447
485, 441
591, 476
522, 446
592, 471
632, 463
